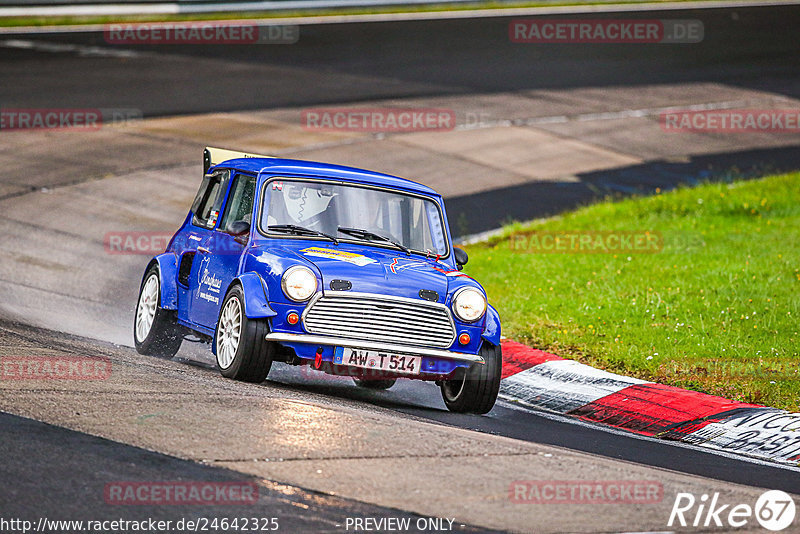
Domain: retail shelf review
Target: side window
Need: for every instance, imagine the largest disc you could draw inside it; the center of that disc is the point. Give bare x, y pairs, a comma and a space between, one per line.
240, 201
209, 199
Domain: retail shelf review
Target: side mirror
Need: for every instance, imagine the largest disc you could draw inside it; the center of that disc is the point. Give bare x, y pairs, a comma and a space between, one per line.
239, 230
461, 257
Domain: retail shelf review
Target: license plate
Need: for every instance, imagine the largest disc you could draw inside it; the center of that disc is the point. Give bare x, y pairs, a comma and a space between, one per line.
380, 361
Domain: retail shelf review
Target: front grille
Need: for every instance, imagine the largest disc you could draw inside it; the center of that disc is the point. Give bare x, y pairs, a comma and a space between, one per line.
380, 318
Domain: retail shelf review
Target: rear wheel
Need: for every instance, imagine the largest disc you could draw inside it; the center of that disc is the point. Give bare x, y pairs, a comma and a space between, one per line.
243, 353
375, 384
474, 390
155, 332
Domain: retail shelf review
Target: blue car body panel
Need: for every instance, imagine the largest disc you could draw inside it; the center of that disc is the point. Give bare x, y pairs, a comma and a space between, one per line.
167, 268
200, 265
256, 300
491, 331
290, 167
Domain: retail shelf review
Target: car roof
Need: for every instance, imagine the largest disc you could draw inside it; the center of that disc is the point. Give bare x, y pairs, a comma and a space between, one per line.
323, 170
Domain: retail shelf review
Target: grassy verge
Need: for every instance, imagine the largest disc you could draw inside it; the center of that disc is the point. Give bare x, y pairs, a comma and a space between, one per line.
427, 8
714, 309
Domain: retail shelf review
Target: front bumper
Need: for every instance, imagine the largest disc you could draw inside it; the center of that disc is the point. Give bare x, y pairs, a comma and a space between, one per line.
311, 339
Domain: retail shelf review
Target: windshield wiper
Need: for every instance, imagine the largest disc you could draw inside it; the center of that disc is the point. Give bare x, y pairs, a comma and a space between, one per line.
294, 229
371, 236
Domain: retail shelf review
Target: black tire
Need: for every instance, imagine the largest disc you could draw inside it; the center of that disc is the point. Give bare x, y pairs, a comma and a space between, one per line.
253, 355
164, 337
474, 390
375, 384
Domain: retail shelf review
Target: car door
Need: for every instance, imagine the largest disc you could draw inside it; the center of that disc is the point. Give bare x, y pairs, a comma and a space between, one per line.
203, 218
219, 256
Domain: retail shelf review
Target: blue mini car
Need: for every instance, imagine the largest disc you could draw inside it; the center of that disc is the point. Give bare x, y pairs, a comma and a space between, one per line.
348, 271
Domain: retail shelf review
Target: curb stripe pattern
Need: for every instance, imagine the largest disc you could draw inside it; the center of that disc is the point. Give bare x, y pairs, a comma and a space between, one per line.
652, 408
767, 434
518, 357
538, 379
563, 385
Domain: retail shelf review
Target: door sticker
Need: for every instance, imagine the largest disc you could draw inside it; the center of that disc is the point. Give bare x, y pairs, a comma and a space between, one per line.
208, 282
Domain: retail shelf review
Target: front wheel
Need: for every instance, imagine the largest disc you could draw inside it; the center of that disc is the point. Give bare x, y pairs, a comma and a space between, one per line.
474, 390
154, 330
243, 353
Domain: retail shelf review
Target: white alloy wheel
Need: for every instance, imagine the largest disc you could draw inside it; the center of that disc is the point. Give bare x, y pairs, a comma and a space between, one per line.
146, 310
230, 330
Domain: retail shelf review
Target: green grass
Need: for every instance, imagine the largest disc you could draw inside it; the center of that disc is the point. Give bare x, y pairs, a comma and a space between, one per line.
428, 8
715, 310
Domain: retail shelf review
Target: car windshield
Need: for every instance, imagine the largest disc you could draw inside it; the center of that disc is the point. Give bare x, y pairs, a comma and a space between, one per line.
411, 221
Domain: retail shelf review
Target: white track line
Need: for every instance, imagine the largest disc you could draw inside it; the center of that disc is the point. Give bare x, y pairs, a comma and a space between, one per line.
173, 8
66, 48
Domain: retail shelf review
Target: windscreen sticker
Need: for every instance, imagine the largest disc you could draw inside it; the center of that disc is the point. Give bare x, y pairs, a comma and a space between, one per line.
349, 257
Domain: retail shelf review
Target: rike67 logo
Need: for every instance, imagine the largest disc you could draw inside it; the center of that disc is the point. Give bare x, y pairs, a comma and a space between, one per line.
774, 510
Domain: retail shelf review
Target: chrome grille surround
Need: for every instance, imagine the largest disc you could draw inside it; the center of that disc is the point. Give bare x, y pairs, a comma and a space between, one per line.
373, 317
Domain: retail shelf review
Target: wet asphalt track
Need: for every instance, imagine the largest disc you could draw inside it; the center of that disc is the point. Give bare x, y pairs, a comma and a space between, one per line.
423, 400
61, 475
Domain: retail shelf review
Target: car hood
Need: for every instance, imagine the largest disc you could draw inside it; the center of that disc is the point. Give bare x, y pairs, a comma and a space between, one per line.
375, 270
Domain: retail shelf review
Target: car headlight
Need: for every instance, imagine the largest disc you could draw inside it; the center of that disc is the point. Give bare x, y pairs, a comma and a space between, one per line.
469, 304
299, 283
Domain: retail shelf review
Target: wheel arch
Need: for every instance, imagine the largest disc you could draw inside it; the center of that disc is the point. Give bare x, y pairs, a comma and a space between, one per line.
491, 329
256, 296
256, 301
167, 273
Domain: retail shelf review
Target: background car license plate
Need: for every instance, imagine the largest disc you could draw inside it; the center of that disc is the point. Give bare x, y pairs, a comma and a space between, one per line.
373, 359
